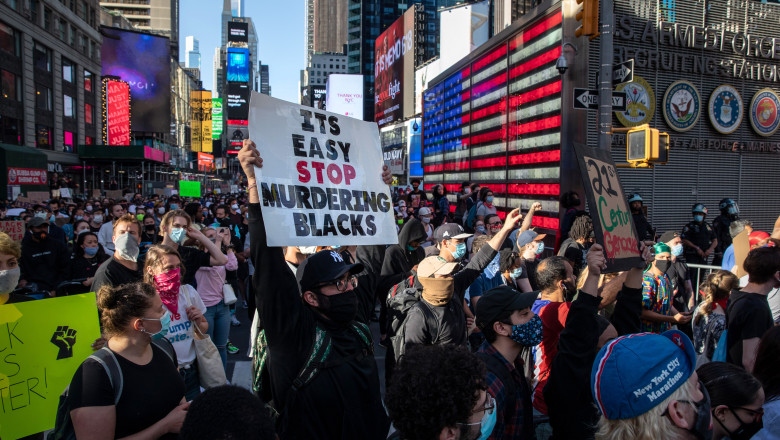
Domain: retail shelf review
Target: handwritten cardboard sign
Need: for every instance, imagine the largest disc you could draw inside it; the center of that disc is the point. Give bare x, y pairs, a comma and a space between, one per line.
14, 229
42, 343
741, 248
321, 181
612, 220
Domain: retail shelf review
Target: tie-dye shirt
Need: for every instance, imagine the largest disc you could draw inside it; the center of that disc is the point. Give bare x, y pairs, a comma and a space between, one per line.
656, 297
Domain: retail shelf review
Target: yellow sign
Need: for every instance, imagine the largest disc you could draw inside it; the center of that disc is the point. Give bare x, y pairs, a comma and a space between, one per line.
200, 123
42, 344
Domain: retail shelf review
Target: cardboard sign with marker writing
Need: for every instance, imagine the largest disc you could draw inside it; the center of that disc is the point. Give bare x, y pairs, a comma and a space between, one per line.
14, 228
741, 248
612, 221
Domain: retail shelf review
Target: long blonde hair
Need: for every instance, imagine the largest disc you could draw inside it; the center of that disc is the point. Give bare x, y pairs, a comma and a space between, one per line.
717, 286
651, 425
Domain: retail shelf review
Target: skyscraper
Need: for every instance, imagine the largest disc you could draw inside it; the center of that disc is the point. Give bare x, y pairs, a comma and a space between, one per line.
219, 73
237, 8
156, 16
265, 81
192, 56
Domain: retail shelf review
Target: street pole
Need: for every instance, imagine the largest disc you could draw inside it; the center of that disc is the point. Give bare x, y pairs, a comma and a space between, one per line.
605, 74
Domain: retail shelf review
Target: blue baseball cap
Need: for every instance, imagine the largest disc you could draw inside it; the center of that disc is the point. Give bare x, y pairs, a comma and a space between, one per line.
635, 373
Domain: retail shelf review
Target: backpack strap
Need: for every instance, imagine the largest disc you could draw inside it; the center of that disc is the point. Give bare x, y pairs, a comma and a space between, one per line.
319, 352
106, 358
431, 321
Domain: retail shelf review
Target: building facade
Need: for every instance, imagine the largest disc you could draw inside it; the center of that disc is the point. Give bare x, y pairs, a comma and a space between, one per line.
159, 17
323, 64
330, 25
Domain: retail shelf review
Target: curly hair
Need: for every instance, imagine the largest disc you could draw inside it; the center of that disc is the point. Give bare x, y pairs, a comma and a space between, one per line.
581, 228
717, 286
227, 412
434, 387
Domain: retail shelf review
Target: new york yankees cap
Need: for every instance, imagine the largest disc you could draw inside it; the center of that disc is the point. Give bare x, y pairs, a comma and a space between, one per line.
325, 265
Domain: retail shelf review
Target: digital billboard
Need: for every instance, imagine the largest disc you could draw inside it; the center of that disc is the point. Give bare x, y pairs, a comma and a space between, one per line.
236, 135
394, 71
144, 62
238, 32
116, 112
237, 102
345, 95
237, 64
216, 117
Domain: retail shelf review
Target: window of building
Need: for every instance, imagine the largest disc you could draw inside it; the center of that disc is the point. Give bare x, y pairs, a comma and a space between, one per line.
71, 35
47, 19
69, 141
87, 81
82, 43
68, 71
88, 113
61, 29
68, 103
9, 40
11, 131
42, 97
10, 86
34, 12
43, 137
41, 57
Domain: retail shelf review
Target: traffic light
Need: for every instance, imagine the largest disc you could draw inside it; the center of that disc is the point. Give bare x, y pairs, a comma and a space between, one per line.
589, 17
646, 145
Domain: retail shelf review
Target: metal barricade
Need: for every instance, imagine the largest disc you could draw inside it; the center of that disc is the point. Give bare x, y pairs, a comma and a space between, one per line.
699, 273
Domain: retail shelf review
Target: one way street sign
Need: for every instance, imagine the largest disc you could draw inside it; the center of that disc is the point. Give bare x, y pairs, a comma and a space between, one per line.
589, 99
623, 72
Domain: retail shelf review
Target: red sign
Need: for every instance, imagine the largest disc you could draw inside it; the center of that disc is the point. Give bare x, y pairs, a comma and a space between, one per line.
26, 176
117, 102
14, 229
205, 161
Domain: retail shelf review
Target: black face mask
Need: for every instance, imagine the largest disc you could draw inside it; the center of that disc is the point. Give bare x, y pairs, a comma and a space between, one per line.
149, 228
40, 236
701, 425
745, 430
340, 309
224, 221
663, 265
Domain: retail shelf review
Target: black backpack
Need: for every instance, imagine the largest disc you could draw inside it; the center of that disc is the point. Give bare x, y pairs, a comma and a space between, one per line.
63, 425
400, 299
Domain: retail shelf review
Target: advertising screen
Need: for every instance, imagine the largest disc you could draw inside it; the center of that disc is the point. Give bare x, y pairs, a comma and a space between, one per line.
116, 105
216, 117
144, 62
238, 32
318, 95
394, 71
345, 95
237, 102
236, 135
237, 64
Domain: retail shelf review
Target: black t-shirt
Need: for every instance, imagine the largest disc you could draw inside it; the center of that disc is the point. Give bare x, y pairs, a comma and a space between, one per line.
192, 259
749, 316
678, 274
149, 391
113, 273
530, 270
81, 267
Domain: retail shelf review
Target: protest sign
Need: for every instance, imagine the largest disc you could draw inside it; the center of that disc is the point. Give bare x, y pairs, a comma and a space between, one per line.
38, 197
321, 181
65, 193
189, 188
114, 194
95, 193
741, 248
14, 229
42, 343
612, 221
25, 202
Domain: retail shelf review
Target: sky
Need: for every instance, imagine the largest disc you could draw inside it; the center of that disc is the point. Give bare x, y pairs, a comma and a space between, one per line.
281, 40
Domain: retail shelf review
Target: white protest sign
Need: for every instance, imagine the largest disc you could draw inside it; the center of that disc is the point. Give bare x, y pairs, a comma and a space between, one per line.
321, 181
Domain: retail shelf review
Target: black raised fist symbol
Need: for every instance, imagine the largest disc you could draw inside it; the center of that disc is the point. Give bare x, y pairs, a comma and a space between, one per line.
65, 339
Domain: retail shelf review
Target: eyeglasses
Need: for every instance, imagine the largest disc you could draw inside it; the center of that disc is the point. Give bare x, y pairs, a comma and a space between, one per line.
490, 406
496, 223
757, 414
341, 285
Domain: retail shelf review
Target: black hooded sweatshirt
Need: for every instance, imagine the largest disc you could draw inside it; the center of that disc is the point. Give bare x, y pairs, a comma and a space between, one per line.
342, 401
46, 263
399, 260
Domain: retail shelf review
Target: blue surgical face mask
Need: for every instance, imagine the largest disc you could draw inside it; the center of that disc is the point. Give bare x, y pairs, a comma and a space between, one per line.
487, 424
174, 206
410, 248
539, 248
481, 229
698, 218
528, 334
178, 235
90, 251
165, 321
460, 251
515, 274
677, 250
489, 199
41, 214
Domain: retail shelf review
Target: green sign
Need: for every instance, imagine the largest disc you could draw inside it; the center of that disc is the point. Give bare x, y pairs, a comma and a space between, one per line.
216, 116
189, 188
42, 344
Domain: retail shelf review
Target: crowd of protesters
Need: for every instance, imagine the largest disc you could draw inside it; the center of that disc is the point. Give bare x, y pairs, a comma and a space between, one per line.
488, 328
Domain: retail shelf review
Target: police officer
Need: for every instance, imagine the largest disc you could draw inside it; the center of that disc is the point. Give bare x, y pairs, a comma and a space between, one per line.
698, 237
644, 229
729, 211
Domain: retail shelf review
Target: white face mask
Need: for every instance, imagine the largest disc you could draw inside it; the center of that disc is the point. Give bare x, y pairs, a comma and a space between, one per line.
9, 279
98, 218
161, 210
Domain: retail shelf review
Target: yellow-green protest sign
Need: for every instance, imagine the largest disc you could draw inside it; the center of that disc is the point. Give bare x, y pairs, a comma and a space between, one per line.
42, 343
189, 188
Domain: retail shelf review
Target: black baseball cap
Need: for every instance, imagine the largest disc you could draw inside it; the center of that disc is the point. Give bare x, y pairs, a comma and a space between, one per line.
325, 265
498, 300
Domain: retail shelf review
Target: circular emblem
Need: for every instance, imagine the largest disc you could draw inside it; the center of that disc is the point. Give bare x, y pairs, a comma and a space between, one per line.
682, 105
11, 175
725, 109
763, 112
640, 102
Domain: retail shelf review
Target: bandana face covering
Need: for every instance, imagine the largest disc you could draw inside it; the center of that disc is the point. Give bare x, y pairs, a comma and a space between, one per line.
168, 284
437, 291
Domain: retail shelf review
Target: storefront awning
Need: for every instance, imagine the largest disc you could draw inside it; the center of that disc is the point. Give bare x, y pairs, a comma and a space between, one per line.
22, 157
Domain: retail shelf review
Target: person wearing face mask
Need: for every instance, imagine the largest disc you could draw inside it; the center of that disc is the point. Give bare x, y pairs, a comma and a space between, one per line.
644, 230
709, 319
175, 228
513, 273
646, 384
45, 262
149, 235
698, 237
581, 235
88, 255
10, 272
122, 267
659, 313
748, 314
736, 399
441, 205
152, 403
530, 245
505, 318
54, 232
485, 205
462, 207
426, 216
416, 198
106, 233
454, 406
343, 400
683, 297
81, 227
95, 221
729, 212
162, 270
